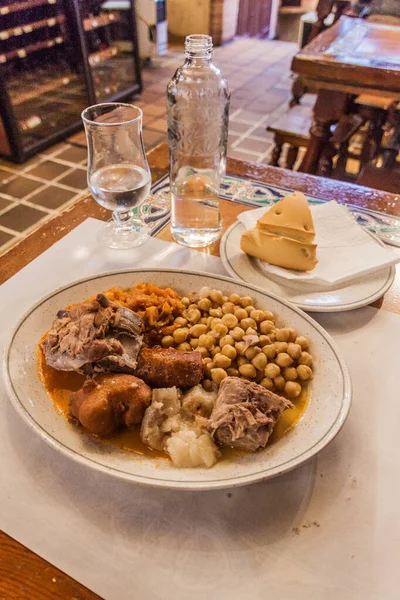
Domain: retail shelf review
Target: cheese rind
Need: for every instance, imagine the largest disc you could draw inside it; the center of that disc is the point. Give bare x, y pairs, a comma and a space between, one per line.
280, 251
290, 217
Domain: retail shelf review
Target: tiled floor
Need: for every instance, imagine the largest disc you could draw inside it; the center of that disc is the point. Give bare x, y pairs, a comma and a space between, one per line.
259, 75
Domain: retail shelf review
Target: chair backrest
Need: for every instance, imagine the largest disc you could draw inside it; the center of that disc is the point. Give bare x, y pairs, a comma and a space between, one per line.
382, 7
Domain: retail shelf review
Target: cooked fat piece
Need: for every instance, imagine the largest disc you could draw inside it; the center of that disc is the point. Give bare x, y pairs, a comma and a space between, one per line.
245, 414
98, 336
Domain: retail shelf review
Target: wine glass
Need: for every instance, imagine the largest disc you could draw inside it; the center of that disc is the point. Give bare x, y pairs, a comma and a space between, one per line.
118, 173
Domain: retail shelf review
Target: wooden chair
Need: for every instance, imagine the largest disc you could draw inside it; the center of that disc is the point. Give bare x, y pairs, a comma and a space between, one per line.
293, 129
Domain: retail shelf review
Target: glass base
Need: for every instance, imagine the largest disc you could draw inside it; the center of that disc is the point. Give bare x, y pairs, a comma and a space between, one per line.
195, 238
123, 238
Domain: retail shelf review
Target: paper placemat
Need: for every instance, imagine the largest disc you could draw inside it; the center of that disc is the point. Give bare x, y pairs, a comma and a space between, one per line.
328, 529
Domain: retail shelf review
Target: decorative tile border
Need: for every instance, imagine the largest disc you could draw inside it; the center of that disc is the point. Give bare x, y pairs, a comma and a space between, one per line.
156, 212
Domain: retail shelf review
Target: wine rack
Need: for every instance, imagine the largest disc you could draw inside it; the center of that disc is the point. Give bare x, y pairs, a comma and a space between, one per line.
56, 58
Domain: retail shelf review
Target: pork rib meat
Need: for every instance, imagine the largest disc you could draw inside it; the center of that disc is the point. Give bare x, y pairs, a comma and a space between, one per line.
245, 414
95, 337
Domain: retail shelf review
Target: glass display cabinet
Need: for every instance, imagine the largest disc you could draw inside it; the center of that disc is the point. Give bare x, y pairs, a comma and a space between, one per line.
56, 58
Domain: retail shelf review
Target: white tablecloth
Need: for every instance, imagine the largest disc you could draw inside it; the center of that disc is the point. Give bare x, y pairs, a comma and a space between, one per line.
329, 530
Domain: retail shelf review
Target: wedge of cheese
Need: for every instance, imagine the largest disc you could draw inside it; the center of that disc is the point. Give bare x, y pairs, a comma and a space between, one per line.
290, 217
277, 250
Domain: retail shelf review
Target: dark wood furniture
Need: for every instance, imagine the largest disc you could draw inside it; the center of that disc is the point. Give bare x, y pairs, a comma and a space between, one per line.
352, 57
56, 58
292, 129
24, 575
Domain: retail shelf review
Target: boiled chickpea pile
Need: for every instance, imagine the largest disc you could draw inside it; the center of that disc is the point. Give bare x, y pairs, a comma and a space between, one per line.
236, 339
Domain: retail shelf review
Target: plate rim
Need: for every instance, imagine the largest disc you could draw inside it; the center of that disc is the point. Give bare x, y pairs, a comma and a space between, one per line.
306, 307
225, 483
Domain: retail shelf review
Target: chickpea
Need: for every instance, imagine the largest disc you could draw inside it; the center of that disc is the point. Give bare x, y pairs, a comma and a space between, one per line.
230, 320
217, 296
237, 333
217, 375
247, 371
240, 348
272, 370
224, 299
193, 315
229, 351
184, 347
207, 341
207, 385
290, 373
266, 327
279, 382
267, 383
209, 320
228, 307
214, 321
292, 334
305, 359
282, 335
240, 313
198, 330
227, 340
208, 367
185, 301
251, 352
283, 359
193, 306
268, 316
259, 361
169, 330
215, 351
294, 350
249, 309
232, 372
257, 315
304, 372
216, 312
264, 340
167, 341
220, 360
302, 341
194, 342
203, 321
203, 351
292, 389
251, 331
272, 336
269, 351
246, 301
234, 298
246, 323
204, 304
180, 322
220, 329
207, 360
242, 360
180, 335
280, 347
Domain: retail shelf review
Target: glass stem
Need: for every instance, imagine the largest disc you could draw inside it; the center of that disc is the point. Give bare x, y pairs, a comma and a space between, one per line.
122, 220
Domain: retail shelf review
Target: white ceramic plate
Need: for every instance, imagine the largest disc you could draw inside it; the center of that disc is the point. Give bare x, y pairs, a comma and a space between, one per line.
306, 296
325, 415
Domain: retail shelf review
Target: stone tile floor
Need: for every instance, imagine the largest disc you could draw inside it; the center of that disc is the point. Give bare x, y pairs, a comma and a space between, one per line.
259, 75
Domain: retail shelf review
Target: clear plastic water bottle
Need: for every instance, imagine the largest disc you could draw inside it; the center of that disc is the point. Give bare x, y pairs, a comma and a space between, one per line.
198, 113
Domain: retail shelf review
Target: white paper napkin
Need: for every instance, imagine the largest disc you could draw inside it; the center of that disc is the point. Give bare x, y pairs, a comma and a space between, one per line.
345, 250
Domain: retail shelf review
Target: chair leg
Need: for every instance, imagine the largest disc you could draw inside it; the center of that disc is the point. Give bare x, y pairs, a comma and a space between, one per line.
291, 157
298, 91
276, 154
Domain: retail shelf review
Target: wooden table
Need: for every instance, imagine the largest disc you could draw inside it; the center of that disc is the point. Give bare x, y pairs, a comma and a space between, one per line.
23, 574
352, 57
